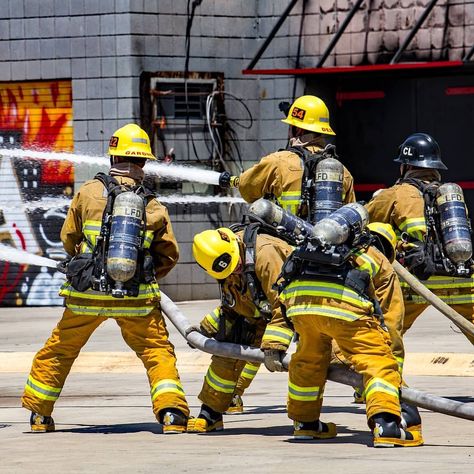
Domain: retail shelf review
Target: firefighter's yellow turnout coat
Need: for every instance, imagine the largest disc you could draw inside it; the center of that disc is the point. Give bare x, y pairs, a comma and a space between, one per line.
237, 307
402, 206
280, 175
141, 322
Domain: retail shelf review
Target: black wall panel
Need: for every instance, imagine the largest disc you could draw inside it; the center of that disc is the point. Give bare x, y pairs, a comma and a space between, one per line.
373, 114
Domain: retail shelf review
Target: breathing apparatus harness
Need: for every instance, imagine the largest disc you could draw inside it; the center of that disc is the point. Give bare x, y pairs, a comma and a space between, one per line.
313, 260
430, 257
252, 228
90, 270
323, 252
233, 327
310, 162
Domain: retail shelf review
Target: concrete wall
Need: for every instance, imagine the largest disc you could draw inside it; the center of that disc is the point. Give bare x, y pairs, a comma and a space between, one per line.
104, 46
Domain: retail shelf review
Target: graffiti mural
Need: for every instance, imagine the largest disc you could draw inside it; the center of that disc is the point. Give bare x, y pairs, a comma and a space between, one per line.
34, 115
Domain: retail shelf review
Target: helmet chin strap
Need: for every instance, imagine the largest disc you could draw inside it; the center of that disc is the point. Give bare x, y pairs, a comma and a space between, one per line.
403, 169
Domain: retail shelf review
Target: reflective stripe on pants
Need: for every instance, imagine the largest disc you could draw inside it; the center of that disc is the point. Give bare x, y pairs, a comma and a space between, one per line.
363, 343
147, 336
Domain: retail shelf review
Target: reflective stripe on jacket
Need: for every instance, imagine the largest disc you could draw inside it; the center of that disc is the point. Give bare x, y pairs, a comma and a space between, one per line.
79, 232
270, 253
280, 174
333, 299
403, 207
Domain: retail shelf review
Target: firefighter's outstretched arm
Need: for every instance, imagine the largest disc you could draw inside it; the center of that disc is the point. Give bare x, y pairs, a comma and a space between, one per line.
71, 232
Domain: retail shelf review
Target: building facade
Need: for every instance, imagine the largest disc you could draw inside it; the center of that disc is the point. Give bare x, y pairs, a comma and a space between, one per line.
73, 71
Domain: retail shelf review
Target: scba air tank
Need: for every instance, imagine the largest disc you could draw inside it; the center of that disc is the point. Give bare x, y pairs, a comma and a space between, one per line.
125, 238
455, 228
287, 224
327, 189
347, 221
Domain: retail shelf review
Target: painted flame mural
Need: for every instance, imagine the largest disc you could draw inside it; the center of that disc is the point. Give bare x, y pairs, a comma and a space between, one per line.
33, 115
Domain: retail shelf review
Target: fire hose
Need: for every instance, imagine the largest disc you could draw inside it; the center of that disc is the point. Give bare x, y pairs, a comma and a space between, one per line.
440, 305
336, 373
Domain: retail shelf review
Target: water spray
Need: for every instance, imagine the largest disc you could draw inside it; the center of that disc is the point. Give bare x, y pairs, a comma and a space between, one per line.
14, 255
170, 171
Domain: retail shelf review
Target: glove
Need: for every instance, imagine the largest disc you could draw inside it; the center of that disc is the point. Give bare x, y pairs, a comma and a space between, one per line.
273, 358
195, 328
62, 265
226, 180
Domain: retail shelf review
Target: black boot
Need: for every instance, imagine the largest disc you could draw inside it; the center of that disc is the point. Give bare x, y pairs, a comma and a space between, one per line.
173, 420
388, 433
208, 420
41, 424
314, 430
411, 419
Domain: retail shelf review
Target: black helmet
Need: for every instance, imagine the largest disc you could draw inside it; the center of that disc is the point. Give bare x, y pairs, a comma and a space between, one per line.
422, 150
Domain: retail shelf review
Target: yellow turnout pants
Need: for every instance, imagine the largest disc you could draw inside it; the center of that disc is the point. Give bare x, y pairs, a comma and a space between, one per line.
246, 376
413, 310
363, 343
147, 336
223, 375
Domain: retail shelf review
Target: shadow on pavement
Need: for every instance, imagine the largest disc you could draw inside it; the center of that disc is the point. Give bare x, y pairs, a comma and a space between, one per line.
115, 429
356, 436
256, 410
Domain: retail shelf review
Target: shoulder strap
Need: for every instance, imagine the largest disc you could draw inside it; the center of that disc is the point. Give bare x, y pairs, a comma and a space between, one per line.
425, 188
310, 162
254, 286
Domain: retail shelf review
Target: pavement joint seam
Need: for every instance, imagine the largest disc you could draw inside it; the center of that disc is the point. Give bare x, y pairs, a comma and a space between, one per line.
424, 363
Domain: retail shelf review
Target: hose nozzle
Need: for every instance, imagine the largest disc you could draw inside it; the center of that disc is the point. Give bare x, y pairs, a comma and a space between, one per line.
226, 180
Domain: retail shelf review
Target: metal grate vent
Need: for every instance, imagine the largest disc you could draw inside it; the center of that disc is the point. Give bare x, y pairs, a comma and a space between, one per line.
172, 98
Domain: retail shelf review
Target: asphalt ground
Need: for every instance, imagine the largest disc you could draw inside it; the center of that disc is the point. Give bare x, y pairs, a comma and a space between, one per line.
105, 424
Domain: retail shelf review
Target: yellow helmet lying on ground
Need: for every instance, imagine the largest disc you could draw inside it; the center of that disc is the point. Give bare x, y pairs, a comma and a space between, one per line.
131, 141
217, 252
309, 113
387, 238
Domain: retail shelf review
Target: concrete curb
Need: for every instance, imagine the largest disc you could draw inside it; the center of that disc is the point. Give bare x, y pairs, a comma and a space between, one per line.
435, 364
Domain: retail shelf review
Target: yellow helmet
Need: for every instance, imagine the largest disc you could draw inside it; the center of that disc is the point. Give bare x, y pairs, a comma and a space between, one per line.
217, 252
310, 113
131, 141
388, 238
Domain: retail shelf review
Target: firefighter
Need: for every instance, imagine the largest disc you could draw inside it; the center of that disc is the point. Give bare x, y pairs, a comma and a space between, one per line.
282, 175
286, 174
328, 299
407, 206
246, 265
139, 317
388, 293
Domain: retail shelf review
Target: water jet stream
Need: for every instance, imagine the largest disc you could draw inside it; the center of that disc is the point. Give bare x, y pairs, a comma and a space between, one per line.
14, 255
48, 203
170, 171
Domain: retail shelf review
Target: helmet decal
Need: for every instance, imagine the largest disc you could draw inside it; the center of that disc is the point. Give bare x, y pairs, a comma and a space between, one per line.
113, 143
298, 113
221, 262
139, 140
223, 235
